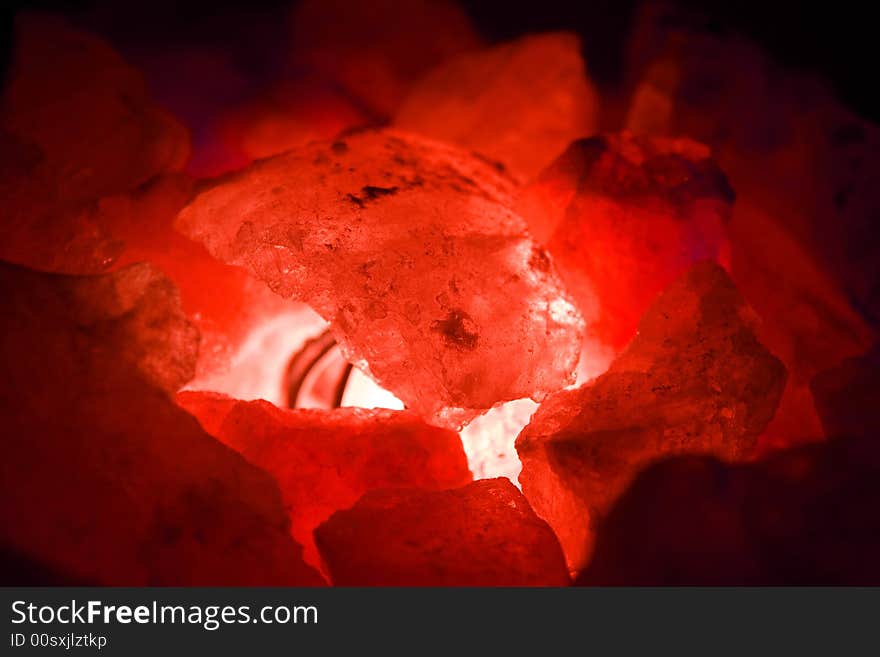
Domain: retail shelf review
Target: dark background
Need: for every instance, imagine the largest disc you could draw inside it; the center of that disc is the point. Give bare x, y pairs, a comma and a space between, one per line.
835, 40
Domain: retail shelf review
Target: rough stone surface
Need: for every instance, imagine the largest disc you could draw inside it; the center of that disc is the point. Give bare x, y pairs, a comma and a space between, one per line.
411, 252
796, 157
626, 216
519, 103
695, 379
484, 534
324, 461
78, 132
804, 516
89, 183
103, 478
805, 319
287, 115
231, 309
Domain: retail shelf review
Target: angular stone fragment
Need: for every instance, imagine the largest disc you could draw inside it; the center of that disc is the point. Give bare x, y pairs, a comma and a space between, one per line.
411, 252
235, 313
627, 216
806, 321
375, 49
595, 206
484, 534
103, 478
789, 147
804, 516
324, 461
520, 103
694, 379
78, 134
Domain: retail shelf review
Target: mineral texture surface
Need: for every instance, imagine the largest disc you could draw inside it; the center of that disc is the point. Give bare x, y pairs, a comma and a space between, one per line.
695, 379
626, 216
103, 478
325, 461
519, 103
803, 238
484, 534
410, 250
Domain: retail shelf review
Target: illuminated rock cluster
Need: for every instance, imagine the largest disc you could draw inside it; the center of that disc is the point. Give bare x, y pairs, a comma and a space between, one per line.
474, 228
325, 461
484, 534
104, 478
694, 379
519, 103
410, 250
804, 170
623, 217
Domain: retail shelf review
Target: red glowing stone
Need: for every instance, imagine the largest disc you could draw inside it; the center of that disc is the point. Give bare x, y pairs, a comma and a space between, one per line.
519, 103
103, 478
803, 232
694, 379
804, 516
484, 534
806, 320
324, 461
626, 216
410, 249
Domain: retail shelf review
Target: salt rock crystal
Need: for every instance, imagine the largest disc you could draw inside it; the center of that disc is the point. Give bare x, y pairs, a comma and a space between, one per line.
804, 516
694, 379
103, 478
248, 332
235, 314
324, 461
484, 534
411, 252
78, 133
803, 239
787, 144
520, 103
805, 319
375, 49
628, 215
